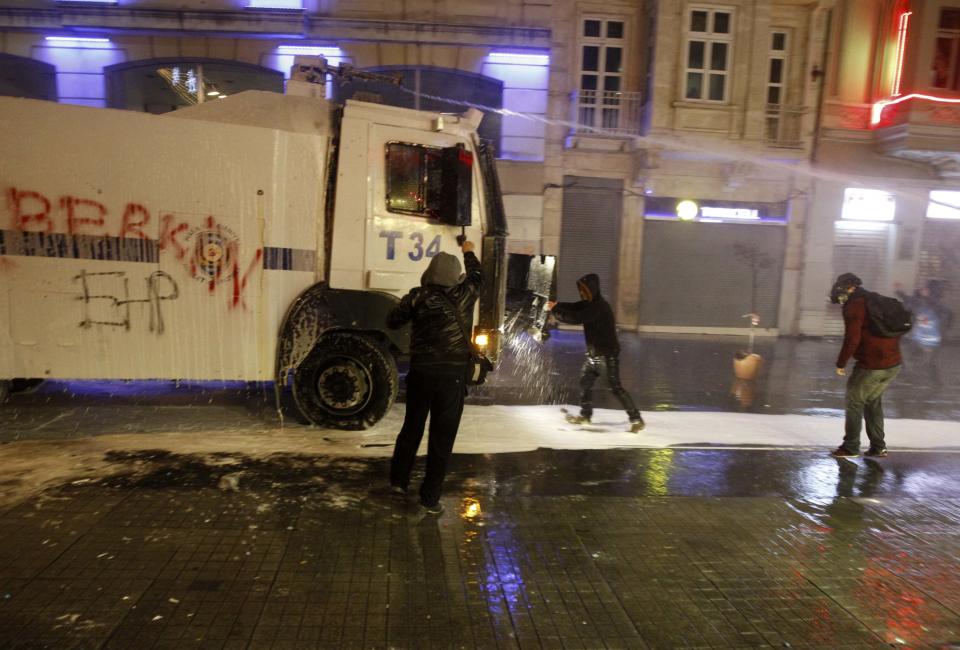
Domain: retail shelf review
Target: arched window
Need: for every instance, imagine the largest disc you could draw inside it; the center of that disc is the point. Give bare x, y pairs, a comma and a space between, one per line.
418, 82
23, 77
164, 85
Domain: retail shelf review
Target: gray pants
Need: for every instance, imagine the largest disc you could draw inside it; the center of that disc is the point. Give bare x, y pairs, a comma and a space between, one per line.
865, 401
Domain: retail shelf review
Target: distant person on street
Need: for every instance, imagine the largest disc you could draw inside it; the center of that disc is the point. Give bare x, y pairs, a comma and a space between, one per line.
931, 321
603, 348
436, 382
878, 363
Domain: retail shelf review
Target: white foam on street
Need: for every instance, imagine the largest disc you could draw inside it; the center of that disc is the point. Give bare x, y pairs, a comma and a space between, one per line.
500, 429
35, 464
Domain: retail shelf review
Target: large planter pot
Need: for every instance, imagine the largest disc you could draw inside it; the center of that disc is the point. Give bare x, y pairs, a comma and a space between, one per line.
747, 366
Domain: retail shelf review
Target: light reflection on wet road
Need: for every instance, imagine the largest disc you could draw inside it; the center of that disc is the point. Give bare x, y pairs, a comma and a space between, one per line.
798, 551
620, 548
678, 472
624, 548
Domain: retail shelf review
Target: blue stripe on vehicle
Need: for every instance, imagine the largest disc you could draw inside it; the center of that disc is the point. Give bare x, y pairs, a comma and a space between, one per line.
120, 249
81, 247
289, 259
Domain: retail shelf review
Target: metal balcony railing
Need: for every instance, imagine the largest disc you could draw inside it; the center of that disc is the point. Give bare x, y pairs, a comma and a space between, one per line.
784, 126
613, 113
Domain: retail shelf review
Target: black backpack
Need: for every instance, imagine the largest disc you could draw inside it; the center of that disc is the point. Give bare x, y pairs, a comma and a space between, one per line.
887, 316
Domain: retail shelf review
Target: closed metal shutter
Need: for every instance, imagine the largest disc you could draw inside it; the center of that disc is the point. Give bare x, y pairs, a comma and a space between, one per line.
940, 260
701, 274
590, 234
862, 249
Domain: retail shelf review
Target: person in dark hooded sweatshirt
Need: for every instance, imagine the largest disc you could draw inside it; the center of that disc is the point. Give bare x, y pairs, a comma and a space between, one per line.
603, 348
436, 382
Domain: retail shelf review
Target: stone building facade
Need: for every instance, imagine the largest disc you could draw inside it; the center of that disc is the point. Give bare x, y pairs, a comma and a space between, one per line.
696, 155
886, 203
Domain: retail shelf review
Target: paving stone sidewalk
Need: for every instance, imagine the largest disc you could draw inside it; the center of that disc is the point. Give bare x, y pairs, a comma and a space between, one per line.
608, 549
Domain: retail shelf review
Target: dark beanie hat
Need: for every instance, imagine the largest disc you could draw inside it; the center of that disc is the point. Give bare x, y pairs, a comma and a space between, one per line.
848, 280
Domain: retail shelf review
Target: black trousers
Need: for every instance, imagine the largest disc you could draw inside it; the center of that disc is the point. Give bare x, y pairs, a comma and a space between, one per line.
591, 370
439, 395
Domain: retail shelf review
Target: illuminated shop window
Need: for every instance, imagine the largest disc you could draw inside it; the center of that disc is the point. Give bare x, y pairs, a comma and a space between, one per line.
945, 71
329, 52
525, 77
79, 62
708, 54
868, 205
293, 5
944, 204
161, 86
715, 210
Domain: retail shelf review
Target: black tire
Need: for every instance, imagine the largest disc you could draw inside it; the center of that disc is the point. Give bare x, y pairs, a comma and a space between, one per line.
348, 381
23, 385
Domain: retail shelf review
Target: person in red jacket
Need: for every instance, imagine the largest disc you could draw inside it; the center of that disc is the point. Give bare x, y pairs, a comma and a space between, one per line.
878, 364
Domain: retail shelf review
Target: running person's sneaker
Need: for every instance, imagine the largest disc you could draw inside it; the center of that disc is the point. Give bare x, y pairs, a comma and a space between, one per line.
636, 426
577, 419
840, 452
873, 452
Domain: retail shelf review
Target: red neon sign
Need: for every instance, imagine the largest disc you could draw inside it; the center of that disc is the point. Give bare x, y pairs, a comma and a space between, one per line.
901, 46
876, 111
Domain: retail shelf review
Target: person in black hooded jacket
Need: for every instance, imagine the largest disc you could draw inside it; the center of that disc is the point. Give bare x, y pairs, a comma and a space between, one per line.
439, 355
603, 348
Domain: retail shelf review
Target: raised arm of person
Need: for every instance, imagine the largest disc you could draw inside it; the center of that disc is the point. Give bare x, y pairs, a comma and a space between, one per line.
474, 271
577, 313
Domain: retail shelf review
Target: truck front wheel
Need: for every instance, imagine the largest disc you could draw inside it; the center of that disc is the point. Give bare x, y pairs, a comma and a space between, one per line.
346, 382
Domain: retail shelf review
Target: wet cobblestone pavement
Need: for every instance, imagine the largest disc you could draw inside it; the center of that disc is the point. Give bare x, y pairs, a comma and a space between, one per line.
621, 548
663, 548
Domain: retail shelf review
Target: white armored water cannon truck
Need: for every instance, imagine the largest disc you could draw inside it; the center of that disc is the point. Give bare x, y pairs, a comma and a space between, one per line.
261, 237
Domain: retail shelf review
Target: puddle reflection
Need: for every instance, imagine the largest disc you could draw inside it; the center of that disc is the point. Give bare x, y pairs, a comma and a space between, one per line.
863, 552
504, 583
